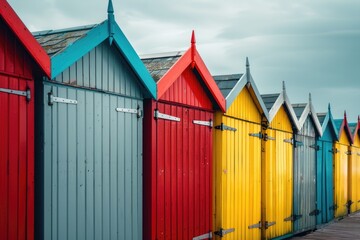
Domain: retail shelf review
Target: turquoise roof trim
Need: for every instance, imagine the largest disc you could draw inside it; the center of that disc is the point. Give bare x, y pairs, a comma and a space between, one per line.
330, 122
93, 38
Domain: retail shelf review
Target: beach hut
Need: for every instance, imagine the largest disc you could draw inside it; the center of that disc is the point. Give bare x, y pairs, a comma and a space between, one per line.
354, 168
89, 149
325, 168
237, 158
341, 151
305, 150
277, 166
22, 62
178, 129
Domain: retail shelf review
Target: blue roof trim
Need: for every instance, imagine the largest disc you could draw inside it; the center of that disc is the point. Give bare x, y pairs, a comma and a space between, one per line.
94, 37
330, 122
79, 48
135, 62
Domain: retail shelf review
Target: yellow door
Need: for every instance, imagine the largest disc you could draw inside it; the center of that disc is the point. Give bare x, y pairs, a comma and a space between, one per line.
354, 175
341, 179
278, 177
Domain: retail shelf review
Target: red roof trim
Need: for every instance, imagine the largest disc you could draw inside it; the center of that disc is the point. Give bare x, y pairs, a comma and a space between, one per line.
345, 126
25, 36
191, 56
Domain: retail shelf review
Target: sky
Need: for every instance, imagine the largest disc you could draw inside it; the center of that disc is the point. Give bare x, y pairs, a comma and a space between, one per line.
314, 46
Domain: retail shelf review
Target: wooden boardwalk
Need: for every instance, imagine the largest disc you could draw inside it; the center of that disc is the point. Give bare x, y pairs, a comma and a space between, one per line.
347, 228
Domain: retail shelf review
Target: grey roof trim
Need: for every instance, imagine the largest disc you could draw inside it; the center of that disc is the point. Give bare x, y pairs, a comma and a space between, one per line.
275, 108
291, 111
310, 111
258, 96
162, 55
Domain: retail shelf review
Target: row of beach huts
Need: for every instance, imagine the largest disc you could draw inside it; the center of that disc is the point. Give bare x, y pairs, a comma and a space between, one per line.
98, 143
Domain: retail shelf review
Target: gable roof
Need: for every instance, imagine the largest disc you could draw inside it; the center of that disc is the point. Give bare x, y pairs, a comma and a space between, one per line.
305, 110
273, 103
326, 119
67, 46
232, 85
343, 125
355, 128
166, 69
25, 37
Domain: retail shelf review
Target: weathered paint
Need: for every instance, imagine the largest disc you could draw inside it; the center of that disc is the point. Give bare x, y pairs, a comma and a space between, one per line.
325, 169
305, 177
237, 166
354, 171
22, 60
277, 172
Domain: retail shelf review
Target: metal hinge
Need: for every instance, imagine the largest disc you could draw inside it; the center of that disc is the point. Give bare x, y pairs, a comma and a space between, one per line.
264, 136
294, 142
258, 225
348, 153
293, 218
203, 123
223, 232
333, 207
25, 93
334, 150
269, 224
53, 99
159, 115
316, 147
315, 212
348, 203
223, 127
204, 236
137, 111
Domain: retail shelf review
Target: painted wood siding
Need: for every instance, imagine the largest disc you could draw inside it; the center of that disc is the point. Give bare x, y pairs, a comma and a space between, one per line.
103, 68
16, 139
305, 177
354, 175
237, 167
91, 166
277, 180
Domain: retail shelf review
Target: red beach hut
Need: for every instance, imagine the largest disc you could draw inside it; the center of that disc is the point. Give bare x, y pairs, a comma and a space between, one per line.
178, 147
22, 60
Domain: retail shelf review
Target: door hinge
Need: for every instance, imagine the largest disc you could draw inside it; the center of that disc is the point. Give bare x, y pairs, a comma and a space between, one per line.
222, 232
316, 147
334, 150
348, 203
53, 99
260, 135
348, 153
269, 224
315, 212
25, 93
333, 207
204, 236
159, 115
294, 142
258, 225
293, 218
204, 123
137, 111
224, 127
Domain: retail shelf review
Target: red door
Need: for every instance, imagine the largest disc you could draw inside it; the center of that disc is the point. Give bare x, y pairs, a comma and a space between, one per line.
183, 172
16, 158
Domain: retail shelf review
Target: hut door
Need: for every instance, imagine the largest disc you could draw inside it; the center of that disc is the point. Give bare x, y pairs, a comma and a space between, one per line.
184, 175
16, 158
92, 172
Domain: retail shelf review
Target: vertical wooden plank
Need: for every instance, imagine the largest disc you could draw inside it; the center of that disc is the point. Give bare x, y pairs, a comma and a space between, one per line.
179, 174
199, 176
62, 169
92, 68
191, 192
13, 160
128, 166
98, 164
4, 153
79, 68
105, 68
90, 165
82, 163
134, 171
111, 67
86, 70
167, 171
186, 173
99, 66
173, 174
105, 165
139, 157
121, 146
72, 168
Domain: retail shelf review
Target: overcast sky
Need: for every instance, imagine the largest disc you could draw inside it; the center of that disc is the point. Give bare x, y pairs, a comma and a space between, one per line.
312, 45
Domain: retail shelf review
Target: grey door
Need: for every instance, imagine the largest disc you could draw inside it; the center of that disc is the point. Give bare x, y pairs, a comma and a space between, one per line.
91, 170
